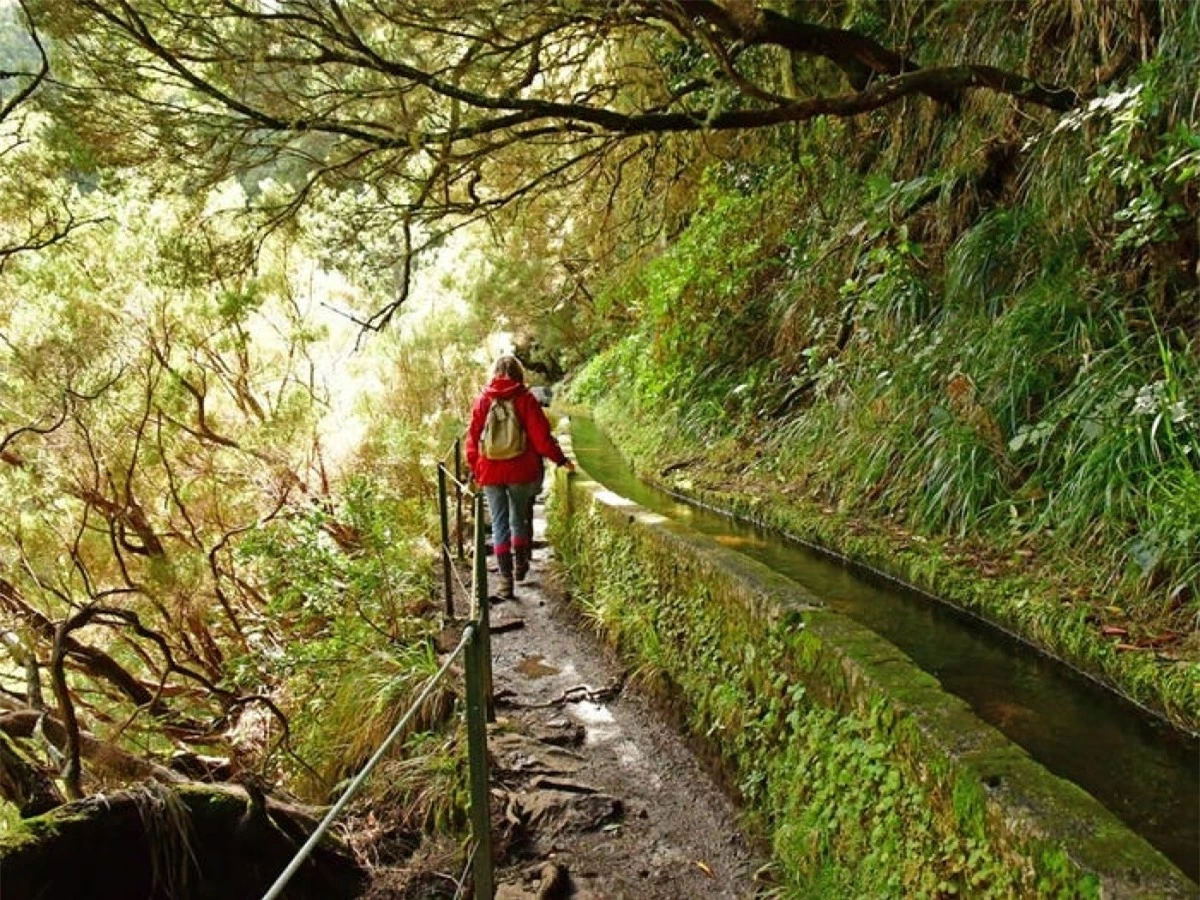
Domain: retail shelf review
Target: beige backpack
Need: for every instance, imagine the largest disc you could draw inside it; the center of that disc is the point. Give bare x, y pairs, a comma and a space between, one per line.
503, 437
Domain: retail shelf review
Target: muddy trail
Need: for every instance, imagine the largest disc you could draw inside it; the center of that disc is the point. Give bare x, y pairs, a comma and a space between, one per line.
594, 795
611, 801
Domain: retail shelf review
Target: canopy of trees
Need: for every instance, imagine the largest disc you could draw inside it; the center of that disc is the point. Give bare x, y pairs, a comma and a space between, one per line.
438, 114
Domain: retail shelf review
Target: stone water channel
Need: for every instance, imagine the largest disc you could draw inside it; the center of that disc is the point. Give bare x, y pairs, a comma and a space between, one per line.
1144, 771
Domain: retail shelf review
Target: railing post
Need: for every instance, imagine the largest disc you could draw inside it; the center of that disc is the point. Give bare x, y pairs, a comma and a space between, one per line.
481, 812
483, 611
485, 655
480, 598
443, 515
458, 483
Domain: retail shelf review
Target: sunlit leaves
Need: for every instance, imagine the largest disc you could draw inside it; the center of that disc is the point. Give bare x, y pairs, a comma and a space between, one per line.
153, 407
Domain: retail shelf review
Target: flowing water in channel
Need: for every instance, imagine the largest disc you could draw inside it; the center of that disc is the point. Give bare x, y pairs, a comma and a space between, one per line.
1144, 771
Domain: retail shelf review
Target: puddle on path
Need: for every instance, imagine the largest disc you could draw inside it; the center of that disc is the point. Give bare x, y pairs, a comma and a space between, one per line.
602, 728
599, 722
534, 667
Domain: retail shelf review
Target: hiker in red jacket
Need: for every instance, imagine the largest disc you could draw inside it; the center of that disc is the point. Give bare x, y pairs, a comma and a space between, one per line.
508, 437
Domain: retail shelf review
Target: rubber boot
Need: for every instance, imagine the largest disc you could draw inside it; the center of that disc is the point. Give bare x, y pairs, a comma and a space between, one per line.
505, 563
521, 556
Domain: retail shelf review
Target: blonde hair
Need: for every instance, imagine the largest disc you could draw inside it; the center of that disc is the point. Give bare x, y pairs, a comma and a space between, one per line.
509, 367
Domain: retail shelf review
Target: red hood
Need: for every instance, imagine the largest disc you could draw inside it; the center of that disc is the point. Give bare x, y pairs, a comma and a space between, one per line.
504, 388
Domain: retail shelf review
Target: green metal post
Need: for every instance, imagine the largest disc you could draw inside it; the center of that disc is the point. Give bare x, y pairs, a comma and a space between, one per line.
482, 612
481, 591
485, 659
458, 495
443, 515
481, 813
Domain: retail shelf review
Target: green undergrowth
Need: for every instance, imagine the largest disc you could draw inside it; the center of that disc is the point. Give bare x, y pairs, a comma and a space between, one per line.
353, 582
835, 778
350, 580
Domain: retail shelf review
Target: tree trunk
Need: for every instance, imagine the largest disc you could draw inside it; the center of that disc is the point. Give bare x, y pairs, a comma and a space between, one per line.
102, 757
186, 843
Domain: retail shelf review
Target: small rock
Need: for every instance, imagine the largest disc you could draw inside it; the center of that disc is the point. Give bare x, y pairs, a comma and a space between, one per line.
504, 625
542, 782
553, 813
513, 892
559, 732
518, 753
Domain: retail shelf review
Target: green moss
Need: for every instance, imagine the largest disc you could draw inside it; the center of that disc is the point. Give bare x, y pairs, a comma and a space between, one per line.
1054, 871
10, 817
969, 804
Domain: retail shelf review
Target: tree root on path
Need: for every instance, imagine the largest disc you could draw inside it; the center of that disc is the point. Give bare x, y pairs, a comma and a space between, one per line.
577, 694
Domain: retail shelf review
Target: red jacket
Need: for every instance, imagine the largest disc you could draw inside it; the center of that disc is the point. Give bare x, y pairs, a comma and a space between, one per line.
539, 441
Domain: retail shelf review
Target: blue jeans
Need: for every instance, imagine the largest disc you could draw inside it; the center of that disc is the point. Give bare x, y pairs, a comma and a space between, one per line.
511, 509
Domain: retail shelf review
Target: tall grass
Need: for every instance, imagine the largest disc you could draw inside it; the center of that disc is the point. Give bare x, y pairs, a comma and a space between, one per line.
982, 335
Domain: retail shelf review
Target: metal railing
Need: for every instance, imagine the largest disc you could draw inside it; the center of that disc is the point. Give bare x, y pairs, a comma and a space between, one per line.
450, 574
475, 647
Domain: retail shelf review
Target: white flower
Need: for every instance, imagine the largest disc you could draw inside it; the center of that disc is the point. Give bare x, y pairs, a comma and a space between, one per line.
1149, 399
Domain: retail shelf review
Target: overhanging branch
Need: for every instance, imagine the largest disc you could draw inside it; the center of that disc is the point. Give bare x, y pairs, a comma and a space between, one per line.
36, 78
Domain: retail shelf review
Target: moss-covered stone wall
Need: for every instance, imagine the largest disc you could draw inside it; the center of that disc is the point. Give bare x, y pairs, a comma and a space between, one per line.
865, 776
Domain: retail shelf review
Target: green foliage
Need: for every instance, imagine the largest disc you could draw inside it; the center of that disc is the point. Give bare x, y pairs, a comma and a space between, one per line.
142, 435
354, 585
1149, 171
193, 444
705, 309
427, 781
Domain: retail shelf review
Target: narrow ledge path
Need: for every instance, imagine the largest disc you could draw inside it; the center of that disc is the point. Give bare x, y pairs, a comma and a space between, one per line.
594, 794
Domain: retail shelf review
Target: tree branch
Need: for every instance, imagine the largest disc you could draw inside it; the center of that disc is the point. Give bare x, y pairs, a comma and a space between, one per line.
96, 663
37, 77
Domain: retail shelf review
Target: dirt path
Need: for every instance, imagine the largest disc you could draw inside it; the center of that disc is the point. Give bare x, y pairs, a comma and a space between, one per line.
600, 798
